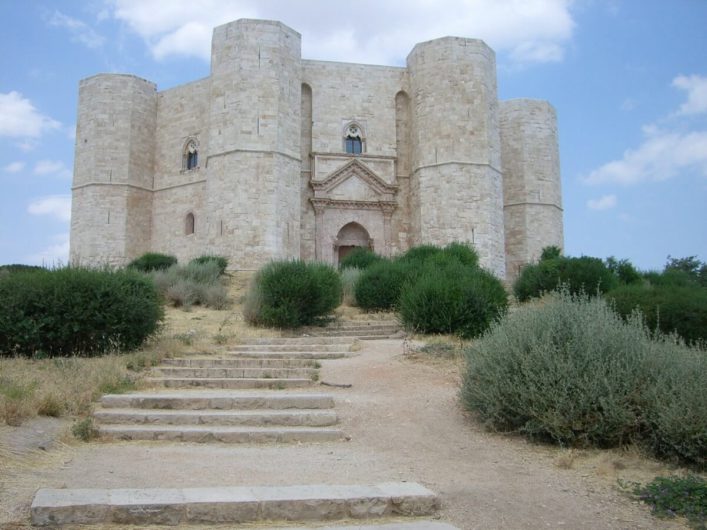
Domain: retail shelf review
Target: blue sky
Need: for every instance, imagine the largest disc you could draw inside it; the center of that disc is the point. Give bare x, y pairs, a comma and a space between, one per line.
628, 79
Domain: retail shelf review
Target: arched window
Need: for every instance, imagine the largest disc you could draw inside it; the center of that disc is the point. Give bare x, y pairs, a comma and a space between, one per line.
353, 140
190, 159
189, 224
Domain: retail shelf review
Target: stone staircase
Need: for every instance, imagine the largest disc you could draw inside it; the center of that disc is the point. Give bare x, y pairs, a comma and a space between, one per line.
242, 396
218, 398
361, 330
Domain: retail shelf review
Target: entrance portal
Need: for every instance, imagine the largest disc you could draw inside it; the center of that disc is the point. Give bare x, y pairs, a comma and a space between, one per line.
349, 237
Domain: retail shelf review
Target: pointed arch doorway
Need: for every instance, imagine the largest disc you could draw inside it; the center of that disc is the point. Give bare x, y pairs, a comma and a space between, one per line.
351, 236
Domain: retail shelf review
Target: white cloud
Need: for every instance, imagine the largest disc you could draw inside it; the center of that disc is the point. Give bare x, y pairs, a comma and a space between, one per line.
57, 206
663, 155
14, 167
370, 31
20, 119
80, 31
55, 254
603, 203
696, 88
52, 167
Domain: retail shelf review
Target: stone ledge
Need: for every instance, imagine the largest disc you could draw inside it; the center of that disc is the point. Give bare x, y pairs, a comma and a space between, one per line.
230, 504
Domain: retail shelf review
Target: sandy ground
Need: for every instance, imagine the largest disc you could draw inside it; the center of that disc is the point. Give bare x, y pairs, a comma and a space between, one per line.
405, 423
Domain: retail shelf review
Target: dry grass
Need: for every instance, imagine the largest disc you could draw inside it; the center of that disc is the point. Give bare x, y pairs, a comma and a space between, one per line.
69, 386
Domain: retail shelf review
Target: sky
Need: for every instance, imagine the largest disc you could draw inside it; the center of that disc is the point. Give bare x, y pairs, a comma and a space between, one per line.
628, 79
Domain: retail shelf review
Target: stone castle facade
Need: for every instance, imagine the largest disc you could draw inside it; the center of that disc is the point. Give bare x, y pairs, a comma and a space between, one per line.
273, 156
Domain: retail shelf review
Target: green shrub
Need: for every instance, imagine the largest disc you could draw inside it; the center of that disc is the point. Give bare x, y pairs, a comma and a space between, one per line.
193, 284
623, 270
453, 300
570, 370
676, 496
152, 261
289, 294
420, 253
380, 285
670, 307
691, 266
465, 254
76, 311
19, 267
550, 252
218, 260
360, 258
349, 279
577, 274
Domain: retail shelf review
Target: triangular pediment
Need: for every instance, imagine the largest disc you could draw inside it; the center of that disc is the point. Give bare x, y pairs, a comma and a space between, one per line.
353, 177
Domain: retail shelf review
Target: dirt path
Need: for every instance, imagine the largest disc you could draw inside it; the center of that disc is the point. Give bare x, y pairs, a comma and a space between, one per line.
405, 423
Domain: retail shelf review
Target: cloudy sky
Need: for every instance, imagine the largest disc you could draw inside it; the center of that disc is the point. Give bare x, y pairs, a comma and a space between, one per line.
628, 79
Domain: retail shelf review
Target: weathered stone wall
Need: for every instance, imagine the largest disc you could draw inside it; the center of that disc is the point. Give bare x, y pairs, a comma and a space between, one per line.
113, 169
531, 181
456, 186
253, 200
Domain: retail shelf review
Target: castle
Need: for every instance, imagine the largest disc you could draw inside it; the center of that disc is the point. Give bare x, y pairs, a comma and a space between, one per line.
273, 156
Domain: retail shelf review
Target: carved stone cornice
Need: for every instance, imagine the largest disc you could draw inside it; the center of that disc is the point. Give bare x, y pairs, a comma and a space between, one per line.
320, 204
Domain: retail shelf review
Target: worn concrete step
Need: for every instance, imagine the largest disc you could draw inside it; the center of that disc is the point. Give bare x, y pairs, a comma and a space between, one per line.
220, 433
261, 418
51, 507
371, 336
422, 524
296, 340
234, 362
223, 400
291, 347
317, 355
362, 323
244, 373
229, 382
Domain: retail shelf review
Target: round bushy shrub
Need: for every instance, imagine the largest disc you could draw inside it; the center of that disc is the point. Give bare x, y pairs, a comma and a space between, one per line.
197, 283
76, 311
289, 294
420, 253
583, 274
360, 258
379, 286
668, 307
152, 261
454, 299
572, 371
220, 261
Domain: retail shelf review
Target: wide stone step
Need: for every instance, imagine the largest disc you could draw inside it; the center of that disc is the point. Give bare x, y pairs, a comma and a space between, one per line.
296, 340
423, 524
232, 505
228, 382
318, 355
220, 433
291, 347
224, 400
261, 418
233, 362
245, 373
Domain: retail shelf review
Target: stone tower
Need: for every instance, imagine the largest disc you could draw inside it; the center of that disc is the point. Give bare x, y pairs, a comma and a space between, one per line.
456, 182
531, 181
111, 210
254, 143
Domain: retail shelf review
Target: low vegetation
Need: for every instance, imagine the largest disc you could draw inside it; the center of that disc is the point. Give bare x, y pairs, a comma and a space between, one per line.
290, 294
220, 261
74, 311
68, 386
675, 496
349, 280
152, 261
571, 371
197, 283
359, 258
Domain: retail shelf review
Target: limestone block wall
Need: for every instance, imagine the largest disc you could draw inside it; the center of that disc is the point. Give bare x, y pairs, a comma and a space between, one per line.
532, 188
456, 183
113, 169
366, 94
253, 202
